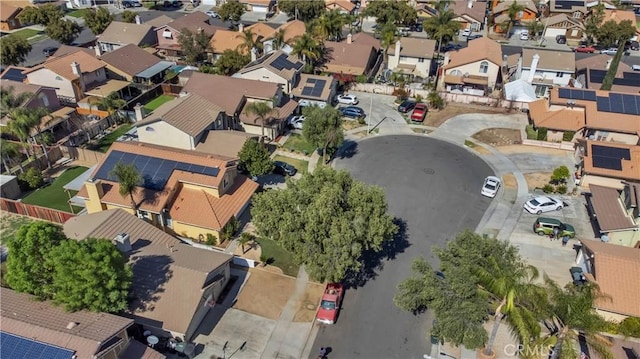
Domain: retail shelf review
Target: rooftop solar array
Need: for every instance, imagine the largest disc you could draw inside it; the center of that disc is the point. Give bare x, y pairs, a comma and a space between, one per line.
619, 103
577, 94
16, 347
628, 78
568, 4
609, 157
155, 172
282, 62
14, 74
314, 87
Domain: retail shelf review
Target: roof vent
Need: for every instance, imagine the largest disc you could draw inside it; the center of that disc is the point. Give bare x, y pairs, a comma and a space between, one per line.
123, 242
72, 325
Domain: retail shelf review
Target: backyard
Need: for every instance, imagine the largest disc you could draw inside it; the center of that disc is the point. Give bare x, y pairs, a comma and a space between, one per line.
301, 165
297, 143
156, 102
277, 256
53, 195
106, 141
9, 225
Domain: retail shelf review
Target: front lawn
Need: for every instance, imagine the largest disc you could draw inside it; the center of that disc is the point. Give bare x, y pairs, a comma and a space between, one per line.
156, 102
297, 143
77, 13
301, 165
53, 195
26, 33
106, 141
278, 256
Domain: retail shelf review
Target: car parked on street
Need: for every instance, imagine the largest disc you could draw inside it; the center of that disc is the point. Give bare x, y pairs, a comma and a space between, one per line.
585, 49
212, 14
330, 303
609, 51
451, 47
544, 226
541, 204
406, 106
491, 186
352, 112
283, 168
347, 99
419, 112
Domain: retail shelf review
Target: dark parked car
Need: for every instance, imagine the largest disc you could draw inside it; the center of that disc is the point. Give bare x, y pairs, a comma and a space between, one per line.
561, 39
635, 46
417, 27
406, 106
48, 51
284, 168
352, 111
451, 47
577, 275
473, 37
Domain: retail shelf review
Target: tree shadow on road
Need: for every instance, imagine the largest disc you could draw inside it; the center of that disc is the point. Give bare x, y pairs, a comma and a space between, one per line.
347, 150
373, 262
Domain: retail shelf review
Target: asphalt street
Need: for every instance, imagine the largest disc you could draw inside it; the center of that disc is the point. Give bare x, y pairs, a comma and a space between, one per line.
434, 187
36, 56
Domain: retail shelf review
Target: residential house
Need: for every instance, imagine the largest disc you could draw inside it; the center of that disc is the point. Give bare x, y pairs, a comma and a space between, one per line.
9, 17
501, 14
315, 90
13, 73
174, 284
261, 6
133, 64
71, 74
615, 269
470, 14
291, 31
425, 11
119, 34
475, 69
358, 54
157, 22
590, 72
30, 326
412, 56
224, 40
277, 67
563, 24
168, 34
177, 185
609, 164
546, 68
574, 9
342, 6
614, 210
618, 16
237, 93
556, 119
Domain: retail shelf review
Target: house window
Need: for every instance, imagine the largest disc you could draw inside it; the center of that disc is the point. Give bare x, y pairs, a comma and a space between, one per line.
602, 136
58, 78
44, 99
559, 74
149, 129
456, 73
484, 67
577, 14
421, 60
167, 34
520, 14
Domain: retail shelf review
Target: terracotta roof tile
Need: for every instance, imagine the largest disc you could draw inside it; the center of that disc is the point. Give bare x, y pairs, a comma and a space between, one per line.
630, 168
262, 30
22, 315
130, 59
223, 40
478, 49
292, 30
202, 209
159, 21
476, 11
353, 58
617, 269
61, 65
556, 117
344, 5
504, 6
618, 16
609, 209
7, 11
125, 33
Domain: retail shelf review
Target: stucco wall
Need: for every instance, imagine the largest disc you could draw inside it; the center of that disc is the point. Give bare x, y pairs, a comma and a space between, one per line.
52, 103
265, 75
611, 316
422, 68
187, 230
163, 133
624, 238
474, 69
588, 179
548, 75
46, 77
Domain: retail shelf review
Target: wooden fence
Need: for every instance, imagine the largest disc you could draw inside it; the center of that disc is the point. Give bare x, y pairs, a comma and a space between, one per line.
82, 154
47, 214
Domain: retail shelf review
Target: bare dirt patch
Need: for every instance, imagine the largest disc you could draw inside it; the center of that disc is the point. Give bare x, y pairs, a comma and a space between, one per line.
309, 303
350, 125
498, 136
537, 179
265, 293
511, 149
509, 181
436, 118
481, 150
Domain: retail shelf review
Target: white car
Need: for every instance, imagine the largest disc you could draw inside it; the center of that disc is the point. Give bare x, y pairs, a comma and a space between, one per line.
609, 51
491, 186
635, 67
212, 14
542, 204
466, 32
347, 99
296, 122
524, 35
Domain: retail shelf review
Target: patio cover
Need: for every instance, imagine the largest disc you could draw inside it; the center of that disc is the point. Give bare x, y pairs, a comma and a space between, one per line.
609, 211
155, 69
77, 183
519, 90
106, 88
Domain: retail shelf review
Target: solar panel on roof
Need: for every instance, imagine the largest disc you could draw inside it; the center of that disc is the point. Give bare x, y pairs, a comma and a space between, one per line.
589, 95
607, 163
603, 104
14, 75
611, 152
196, 169
311, 81
211, 171
14, 346
298, 65
564, 93
307, 91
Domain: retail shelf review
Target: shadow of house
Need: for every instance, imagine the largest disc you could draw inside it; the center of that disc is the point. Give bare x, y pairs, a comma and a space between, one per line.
150, 274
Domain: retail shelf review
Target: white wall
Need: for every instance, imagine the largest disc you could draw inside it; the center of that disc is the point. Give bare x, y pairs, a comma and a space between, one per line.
163, 133
474, 69
46, 77
422, 68
545, 75
265, 75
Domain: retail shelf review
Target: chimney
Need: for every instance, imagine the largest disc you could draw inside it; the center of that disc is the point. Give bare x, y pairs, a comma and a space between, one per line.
349, 39
533, 67
123, 242
254, 54
139, 111
470, 4
95, 192
138, 20
98, 50
200, 30
75, 67
608, 64
240, 27
398, 48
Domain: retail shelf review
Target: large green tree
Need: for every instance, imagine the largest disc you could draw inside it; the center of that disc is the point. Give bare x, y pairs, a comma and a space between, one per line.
64, 31
27, 268
231, 10
90, 274
388, 37
512, 11
13, 50
442, 27
255, 158
250, 42
9, 100
112, 103
398, 12
593, 22
10, 153
22, 121
128, 16
231, 62
98, 20
129, 179
615, 34
304, 10
327, 220
323, 128
41, 15
329, 25
307, 49
194, 46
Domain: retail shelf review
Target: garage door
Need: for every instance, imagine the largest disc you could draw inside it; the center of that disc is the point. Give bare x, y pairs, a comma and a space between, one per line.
209, 2
552, 32
258, 8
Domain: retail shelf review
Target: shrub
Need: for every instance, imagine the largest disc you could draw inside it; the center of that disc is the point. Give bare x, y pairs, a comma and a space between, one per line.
361, 120
542, 134
630, 327
361, 79
548, 188
31, 179
401, 93
560, 175
230, 229
419, 98
562, 189
532, 134
568, 135
211, 240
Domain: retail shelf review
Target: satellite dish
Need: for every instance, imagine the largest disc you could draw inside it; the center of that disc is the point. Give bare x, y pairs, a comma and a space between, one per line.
466, 74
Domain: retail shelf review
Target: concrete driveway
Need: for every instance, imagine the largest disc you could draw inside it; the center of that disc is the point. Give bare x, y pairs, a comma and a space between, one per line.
434, 187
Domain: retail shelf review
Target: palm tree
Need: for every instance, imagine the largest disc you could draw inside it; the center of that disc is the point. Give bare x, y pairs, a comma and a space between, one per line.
306, 48
329, 26
535, 27
129, 179
249, 41
278, 39
22, 121
111, 103
10, 101
572, 314
388, 37
8, 152
261, 110
513, 11
511, 289
442, 27
244, 239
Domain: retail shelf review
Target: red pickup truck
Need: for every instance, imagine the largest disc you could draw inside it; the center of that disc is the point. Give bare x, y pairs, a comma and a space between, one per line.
584, 48
330, 303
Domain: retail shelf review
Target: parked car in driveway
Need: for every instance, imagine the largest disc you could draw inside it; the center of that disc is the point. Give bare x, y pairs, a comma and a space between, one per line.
283, 168
491, 186
609, 51
524, 35
544, 226
352, 112
451, 47
296, 122
585, 49
577, 275
49, 51
543, 204
406, 106
466, 32
561, 39
212, 14
347, 99
419, 112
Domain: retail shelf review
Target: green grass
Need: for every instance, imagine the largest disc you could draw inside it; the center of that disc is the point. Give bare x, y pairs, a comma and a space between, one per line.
469, 144
77, 13
531, 133
26, 33
54, 196
37, 38
301, 165
9, 225
278, 256
106, 141
156, 102
298, 144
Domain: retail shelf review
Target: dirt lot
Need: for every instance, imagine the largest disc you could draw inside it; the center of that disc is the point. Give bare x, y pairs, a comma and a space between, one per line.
498, 136
265, 293
530, 149
436, 118
509, 181
309, 303
537, 179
